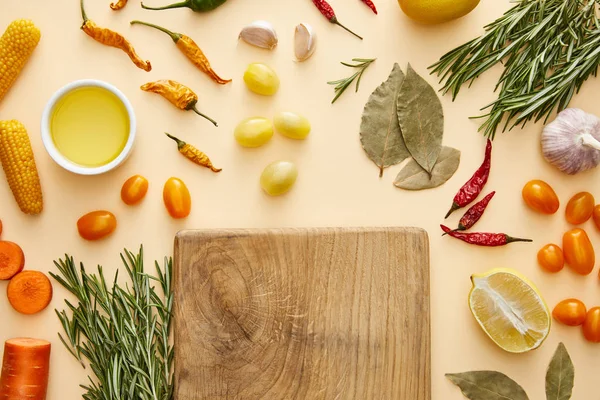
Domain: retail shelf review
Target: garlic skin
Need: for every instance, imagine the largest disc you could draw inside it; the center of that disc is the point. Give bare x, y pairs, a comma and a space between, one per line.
260, 34
305, 42
572, 141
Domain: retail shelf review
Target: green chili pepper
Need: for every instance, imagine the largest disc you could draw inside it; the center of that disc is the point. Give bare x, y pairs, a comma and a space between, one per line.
194, 5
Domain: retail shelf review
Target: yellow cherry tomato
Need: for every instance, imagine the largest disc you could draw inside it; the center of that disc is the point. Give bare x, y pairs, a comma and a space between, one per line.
96, 225
591, 326
550, 257
292, 125
134, 190
580, 208
278, 177
177, 198
578, 251
539, 196
261, 79
253, 132
571, 312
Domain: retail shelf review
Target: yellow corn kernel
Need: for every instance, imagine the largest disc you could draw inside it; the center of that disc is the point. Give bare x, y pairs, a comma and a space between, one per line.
16, 45
18, 163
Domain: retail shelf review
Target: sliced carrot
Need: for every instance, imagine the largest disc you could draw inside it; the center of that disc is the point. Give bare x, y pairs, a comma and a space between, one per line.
29, 292
25, 369
12, 259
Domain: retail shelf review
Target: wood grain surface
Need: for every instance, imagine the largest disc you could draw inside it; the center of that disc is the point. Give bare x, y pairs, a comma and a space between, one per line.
302, 314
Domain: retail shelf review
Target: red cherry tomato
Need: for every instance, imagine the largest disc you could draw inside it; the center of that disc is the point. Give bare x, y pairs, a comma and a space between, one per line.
539, 196
96, 225
580, 208
571, 312
591, 326
177, 198
134, 190
550, 257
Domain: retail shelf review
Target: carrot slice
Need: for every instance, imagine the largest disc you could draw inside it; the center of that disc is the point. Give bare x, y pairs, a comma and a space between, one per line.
12, 259
29, 292
25, 369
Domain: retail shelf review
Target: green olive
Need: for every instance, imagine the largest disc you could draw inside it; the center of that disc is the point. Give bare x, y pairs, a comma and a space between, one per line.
292, 125
253, 132
261, 79
278, 177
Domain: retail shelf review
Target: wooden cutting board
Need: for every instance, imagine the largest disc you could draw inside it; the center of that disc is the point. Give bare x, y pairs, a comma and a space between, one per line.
302, 314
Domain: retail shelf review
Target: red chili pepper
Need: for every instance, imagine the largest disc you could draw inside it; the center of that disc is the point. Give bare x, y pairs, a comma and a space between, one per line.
484, 239
371, 5
474, 214
474, 186
328, 12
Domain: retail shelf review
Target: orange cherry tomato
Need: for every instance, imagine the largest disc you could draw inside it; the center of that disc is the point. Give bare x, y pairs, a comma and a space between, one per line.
596, 216
539, 196
177, 198
0, 227
571, 312
134, 190
578, 251
550, 257
580, 208
591, 326
96, 225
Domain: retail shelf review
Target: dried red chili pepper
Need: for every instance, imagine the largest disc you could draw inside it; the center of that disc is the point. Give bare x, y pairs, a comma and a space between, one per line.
474, 214
474, 186
371, 5
328, 12
484, 239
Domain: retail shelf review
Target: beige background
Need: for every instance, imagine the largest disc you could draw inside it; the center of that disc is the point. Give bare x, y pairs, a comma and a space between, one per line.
338, 185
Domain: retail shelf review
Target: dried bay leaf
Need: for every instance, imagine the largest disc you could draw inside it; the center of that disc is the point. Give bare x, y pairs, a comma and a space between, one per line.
414, 177
380, 134
487, 385
421, 119
560, 377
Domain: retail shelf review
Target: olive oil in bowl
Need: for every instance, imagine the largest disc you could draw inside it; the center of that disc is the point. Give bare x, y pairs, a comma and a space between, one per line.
90, 126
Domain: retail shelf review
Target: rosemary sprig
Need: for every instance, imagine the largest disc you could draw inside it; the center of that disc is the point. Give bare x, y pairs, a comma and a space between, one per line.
342, 84
123, 332
548, 48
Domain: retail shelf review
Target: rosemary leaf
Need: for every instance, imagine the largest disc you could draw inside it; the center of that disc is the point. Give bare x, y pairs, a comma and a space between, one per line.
343, 84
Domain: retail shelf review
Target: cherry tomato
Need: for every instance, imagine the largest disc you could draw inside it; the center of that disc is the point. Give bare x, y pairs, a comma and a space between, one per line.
571, 312
596, 215
540, 197
96, 225
550, 257
0, 227
177, 198
134, 190
578, 251
580, 208
591, 326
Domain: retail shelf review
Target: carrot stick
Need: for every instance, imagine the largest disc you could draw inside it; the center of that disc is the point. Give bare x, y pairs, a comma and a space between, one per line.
29, 292
12, 259
25, 369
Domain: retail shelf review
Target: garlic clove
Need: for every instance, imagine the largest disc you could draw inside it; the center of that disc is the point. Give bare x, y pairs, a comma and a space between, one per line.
572, 141
305, 42
260, 34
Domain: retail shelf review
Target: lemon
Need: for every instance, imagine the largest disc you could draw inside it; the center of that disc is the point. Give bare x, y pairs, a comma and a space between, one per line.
437, 11
510, 310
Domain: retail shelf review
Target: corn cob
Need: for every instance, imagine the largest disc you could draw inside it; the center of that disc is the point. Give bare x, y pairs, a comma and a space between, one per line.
16, 45
18, 163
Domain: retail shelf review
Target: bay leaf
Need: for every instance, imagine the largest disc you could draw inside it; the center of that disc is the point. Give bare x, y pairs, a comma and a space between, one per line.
414, 177
487, 385
380, 134
421, 119
560, 377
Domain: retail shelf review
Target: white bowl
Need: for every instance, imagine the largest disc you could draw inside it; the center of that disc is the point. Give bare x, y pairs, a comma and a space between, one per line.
62, 160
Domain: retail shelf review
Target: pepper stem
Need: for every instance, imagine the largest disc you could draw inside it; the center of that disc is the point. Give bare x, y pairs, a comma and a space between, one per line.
174, 35
510, 239
334, 20
452, 209
83, 14
204, 115
588, 140
180, 143
174, 5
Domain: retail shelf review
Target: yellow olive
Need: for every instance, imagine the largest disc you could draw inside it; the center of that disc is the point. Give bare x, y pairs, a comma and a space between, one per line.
278, 177
253, 132
261, 79
292, 125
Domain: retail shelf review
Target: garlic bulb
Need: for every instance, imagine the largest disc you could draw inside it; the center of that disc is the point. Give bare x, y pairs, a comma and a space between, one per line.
305, 42
572, 141
260, 34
